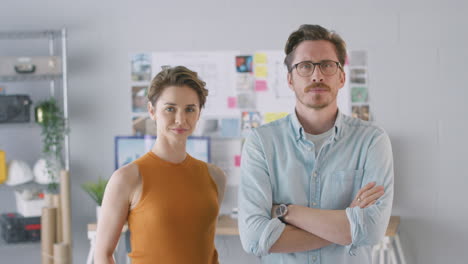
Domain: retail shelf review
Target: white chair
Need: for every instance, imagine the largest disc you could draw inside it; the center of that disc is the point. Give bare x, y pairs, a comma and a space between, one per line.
389, 250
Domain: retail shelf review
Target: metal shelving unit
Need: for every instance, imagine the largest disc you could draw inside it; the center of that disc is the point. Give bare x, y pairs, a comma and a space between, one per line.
57, 46
51, 36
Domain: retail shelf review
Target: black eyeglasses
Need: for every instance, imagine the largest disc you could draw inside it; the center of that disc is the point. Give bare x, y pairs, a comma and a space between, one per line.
306, 68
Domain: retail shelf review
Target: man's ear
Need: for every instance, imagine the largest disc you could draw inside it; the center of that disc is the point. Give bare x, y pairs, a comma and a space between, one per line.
290, 81
342, 78
151, 111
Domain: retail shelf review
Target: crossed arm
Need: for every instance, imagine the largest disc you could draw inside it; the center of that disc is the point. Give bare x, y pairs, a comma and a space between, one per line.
310, 228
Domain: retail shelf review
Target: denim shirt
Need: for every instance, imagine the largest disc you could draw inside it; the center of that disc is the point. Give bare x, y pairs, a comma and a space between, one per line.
279, 165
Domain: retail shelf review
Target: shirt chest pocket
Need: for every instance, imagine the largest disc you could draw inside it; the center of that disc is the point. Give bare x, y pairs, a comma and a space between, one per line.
340, 187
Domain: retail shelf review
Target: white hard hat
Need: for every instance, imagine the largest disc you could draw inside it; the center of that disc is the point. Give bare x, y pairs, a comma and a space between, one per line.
42, 176
19, 172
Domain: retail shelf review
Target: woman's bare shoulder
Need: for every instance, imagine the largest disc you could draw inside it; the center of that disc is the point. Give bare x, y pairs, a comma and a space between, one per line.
126, 177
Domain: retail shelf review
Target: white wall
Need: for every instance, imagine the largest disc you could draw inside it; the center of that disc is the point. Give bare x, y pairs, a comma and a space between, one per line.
418, 87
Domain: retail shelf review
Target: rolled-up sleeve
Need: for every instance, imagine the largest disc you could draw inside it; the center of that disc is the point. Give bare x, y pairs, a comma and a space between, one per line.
258, 232
368, 225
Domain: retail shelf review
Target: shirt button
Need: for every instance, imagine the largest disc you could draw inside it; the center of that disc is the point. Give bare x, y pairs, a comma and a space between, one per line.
315, 174
314, 258
314, 204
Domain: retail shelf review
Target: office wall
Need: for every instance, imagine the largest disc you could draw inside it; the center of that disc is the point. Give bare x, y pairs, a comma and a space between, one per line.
418, 88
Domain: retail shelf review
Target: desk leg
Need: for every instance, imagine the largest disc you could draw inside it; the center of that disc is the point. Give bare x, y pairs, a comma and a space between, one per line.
382, 253
392, 256
375, 252
92, 241
399, 249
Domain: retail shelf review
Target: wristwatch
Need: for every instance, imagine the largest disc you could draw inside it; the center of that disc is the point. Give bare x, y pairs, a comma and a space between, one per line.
281, 212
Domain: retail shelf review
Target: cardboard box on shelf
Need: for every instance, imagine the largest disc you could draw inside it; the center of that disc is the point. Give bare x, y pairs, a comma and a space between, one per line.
29, 208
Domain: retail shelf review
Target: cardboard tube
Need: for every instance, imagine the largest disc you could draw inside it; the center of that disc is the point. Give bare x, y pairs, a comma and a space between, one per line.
66, 210
48, 219
56, 203
48, 200
61, 251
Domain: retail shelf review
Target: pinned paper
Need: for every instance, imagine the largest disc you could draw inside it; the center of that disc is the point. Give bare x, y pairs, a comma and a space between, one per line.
230, 127
245, 82
261, 85
261, 72
246, 101
250, 120
237, 160
273, 116
232, 102
362, 112
244, 63
260, 58
359, 94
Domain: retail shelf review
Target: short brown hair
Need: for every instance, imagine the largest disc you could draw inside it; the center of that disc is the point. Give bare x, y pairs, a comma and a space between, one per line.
177, 76
313, 32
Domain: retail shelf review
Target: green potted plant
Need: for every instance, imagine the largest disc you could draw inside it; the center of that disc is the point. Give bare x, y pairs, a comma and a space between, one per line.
54, 128
96, 192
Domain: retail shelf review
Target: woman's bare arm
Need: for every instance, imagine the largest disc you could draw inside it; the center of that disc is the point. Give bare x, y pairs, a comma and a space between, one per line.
114, 211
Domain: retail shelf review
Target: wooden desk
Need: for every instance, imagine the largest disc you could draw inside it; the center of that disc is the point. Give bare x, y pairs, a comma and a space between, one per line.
228, 226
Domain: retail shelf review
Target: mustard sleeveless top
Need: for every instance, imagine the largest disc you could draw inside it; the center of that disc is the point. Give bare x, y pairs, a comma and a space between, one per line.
175, 219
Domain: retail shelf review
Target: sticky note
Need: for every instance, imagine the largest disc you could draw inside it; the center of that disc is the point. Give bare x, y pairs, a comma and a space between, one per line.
273, 116
260, 58
232, 102
237, 160
261, 85
261, 71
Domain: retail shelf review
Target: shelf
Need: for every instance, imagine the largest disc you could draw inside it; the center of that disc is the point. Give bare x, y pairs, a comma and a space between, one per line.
31, 124
19, 245
26, 78
30, 34
24, 186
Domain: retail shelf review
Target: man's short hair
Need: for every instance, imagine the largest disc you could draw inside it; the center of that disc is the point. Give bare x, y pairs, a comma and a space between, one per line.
313, 32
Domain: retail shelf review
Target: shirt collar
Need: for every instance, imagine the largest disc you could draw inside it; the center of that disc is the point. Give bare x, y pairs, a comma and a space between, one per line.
299, 132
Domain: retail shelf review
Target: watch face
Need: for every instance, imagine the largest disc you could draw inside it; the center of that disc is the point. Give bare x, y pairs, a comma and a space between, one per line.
281, 210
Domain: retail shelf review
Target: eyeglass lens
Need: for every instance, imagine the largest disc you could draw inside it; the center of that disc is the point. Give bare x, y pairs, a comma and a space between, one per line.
306, 68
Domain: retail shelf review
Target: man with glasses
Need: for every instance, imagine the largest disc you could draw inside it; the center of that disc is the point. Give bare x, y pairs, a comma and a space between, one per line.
312, 184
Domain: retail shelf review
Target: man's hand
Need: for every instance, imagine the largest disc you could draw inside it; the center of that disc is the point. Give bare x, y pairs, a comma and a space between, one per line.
368, 195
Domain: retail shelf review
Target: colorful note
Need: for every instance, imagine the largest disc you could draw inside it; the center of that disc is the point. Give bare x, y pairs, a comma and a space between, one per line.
237, 160
261, 71
273, 116
232, 102
261, 85
260, 58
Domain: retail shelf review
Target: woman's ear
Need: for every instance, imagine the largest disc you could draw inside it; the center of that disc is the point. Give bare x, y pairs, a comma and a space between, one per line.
151, 111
